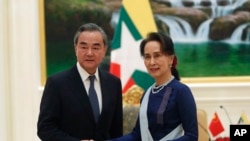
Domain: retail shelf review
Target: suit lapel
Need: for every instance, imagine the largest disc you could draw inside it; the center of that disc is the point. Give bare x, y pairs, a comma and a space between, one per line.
79, 91
105, 91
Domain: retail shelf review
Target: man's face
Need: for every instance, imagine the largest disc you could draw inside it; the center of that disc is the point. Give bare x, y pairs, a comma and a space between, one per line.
90, 50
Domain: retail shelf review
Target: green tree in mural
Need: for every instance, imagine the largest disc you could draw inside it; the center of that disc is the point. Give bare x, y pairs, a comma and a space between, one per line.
61, 20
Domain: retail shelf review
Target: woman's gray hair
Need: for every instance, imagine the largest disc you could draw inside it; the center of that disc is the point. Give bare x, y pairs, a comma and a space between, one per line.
90, 27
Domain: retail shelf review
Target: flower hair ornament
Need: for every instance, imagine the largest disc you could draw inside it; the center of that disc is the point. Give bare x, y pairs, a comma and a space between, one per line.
174, 62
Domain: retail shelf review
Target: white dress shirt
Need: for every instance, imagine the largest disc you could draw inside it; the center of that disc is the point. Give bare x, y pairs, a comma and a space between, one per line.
85, 79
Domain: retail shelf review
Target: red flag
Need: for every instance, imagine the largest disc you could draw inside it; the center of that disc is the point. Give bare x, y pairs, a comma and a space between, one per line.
223, 139
215, 125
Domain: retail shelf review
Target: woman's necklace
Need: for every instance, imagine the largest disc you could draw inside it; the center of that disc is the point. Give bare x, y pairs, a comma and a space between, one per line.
157, 89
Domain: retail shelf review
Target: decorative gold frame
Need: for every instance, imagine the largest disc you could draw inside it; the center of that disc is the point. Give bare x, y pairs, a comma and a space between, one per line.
234, 79
42, 41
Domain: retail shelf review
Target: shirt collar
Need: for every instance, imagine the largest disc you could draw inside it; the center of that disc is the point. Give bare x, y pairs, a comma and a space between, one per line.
84, 74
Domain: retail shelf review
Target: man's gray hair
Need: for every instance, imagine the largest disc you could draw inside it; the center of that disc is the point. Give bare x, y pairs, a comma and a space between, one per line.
90, 27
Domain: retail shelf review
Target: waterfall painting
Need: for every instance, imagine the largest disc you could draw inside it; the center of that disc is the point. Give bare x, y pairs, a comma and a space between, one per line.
211, 37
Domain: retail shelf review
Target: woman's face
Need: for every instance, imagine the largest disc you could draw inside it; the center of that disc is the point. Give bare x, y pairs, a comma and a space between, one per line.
157, 63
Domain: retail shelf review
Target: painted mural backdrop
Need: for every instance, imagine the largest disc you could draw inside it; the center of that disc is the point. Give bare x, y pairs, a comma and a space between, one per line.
212, 37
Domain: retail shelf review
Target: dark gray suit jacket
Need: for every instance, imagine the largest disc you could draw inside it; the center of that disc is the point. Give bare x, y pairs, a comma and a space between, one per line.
66, 113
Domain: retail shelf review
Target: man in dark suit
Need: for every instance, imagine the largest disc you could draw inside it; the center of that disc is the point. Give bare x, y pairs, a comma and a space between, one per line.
66, 110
